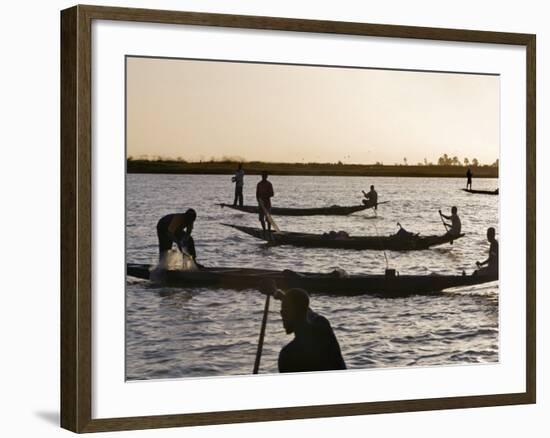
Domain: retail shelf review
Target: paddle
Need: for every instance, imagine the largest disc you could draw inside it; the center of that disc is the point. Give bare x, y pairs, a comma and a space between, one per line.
442, 221
262, 334
444, 224
268, 216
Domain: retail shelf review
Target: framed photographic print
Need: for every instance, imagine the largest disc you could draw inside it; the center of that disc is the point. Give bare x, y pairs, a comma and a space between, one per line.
270, 218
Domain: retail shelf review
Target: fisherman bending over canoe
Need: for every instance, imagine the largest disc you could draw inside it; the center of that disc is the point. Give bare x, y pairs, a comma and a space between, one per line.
371, 198
264, 193
455, 227
314, 347
492, 260
238, 179
176, 228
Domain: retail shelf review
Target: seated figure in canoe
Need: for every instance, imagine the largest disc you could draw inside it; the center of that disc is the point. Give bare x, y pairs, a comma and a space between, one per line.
455, 227
176, 228
371, 198
314, 347
490, 265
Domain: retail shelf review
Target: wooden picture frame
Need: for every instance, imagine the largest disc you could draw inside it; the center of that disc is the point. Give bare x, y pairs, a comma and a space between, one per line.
76, 217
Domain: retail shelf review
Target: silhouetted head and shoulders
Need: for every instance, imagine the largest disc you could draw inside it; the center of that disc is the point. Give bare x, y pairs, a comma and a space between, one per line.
314, 347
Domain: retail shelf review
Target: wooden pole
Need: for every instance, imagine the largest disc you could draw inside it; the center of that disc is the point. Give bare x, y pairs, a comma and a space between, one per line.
268, 215
262, 335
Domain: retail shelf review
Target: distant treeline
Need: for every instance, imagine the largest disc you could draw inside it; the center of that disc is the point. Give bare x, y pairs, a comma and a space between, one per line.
313, 169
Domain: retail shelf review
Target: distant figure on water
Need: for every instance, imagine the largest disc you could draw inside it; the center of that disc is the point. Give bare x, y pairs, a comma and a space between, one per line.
371, 198
176, 228
492, 260
264, 193
455, 227
238, 179
314, 347
469, 179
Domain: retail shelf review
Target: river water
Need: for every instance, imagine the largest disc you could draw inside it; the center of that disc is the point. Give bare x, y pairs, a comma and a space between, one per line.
176, 332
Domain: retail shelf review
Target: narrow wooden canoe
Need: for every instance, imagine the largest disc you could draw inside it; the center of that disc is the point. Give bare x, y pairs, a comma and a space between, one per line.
481, 192
333, 283
334, 210
393, 242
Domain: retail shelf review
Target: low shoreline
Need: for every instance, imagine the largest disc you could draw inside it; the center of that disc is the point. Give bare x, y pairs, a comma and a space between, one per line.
310, 169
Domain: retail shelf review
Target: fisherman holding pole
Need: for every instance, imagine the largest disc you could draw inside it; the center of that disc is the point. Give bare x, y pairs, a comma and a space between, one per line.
264, 193
314, 347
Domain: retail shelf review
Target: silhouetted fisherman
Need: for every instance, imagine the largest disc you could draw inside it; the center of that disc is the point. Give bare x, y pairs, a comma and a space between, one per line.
314, 347
238, 179
455, 227
264, 193
371, 198
176, 228
492, 260
469, 179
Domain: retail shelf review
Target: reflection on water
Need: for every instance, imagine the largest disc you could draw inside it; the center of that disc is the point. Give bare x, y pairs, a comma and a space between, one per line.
173, 332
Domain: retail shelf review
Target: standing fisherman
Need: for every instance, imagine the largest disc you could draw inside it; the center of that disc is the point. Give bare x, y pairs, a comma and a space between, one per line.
469, 179
238, 179
264, 193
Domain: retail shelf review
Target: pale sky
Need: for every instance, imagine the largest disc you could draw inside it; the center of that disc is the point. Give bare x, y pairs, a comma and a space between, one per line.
287, 113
